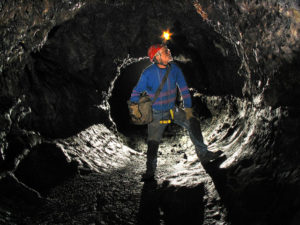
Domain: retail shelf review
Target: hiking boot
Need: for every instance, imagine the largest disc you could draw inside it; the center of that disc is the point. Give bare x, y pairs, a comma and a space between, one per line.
151, 161
146, 177
207, 156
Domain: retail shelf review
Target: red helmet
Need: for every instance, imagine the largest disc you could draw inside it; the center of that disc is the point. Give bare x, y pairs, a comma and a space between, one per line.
153, 50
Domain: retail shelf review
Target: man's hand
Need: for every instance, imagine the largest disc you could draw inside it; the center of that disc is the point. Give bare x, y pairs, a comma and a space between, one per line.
189, 113
134, 109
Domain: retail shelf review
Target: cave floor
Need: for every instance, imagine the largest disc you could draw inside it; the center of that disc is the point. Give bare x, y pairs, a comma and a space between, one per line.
183, 192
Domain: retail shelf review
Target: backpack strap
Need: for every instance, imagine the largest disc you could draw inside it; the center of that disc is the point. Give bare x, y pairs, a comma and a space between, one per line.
161, 84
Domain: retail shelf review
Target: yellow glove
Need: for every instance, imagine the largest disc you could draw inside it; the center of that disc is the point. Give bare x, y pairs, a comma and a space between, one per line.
189, 113
134, 109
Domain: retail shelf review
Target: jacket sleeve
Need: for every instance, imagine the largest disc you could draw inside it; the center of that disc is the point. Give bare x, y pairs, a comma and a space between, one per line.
139, 88
185, 93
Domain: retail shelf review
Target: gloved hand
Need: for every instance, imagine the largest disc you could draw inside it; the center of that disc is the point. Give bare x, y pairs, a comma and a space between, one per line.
189, 113
134, 110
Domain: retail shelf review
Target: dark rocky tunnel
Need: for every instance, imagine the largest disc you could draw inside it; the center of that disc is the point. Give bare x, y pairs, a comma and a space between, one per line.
69, 153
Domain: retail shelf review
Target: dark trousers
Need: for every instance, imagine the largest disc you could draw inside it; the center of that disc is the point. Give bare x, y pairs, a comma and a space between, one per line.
156, 129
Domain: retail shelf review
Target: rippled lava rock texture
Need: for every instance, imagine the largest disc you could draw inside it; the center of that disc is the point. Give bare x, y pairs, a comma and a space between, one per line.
61, 72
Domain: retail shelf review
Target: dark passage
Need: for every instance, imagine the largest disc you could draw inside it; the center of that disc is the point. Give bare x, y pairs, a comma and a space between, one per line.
120, 95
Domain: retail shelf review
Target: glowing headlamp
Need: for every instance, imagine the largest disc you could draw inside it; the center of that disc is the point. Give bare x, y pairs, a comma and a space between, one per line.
166, 35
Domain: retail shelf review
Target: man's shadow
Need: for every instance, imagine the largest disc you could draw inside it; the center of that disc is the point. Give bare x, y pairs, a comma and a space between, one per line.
149, 205
218, 175
174, 205
220, 179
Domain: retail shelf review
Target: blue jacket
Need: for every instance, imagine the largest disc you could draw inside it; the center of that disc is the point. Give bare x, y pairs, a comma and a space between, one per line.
150, 81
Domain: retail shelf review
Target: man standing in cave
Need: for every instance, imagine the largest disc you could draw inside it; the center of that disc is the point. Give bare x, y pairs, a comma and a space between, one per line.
164, 108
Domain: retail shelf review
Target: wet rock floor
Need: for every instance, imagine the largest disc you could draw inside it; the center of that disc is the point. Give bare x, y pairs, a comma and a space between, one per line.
182, 194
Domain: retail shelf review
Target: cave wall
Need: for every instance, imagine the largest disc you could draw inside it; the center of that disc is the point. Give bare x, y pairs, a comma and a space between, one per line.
27, 27
258, 182
266, 36
261, 128
24, 29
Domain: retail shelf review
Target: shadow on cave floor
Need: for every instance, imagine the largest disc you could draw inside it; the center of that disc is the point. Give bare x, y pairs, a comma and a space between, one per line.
171, 205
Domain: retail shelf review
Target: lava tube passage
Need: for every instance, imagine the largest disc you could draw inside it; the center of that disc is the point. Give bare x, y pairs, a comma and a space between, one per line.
220, 80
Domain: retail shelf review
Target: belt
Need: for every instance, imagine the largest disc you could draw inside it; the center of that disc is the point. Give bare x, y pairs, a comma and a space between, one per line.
168, 121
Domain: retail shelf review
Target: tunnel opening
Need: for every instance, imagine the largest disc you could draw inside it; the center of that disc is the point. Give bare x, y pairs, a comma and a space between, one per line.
209, 70
121, 92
